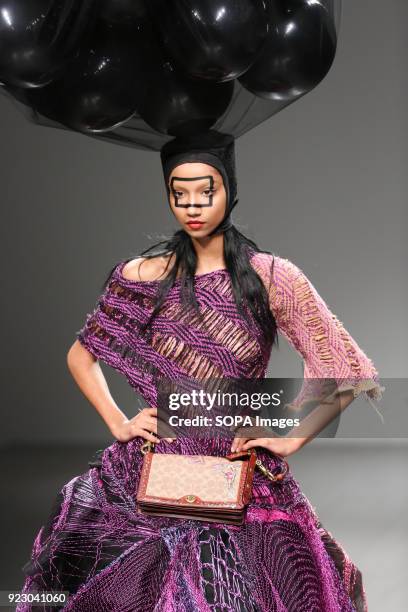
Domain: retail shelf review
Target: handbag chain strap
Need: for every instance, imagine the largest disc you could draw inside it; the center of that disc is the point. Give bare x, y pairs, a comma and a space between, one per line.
149, 446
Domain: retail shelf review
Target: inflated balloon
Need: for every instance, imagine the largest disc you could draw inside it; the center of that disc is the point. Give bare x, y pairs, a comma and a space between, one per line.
38, 38
298, 52
174, 105
137, 82
212, 39
99, 89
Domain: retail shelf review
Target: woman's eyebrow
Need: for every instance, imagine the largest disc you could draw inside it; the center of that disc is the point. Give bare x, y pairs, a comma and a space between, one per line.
209, 178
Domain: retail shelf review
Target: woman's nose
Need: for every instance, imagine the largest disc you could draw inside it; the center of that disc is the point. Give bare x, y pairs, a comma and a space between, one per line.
194, 202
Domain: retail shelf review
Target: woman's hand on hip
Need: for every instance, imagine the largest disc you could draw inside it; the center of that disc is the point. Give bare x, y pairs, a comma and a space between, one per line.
144, 424
278, 446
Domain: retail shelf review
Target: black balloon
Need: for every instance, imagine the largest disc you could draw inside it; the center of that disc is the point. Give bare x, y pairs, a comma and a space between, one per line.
99, 89
298, 52
38, 38
211, 39
174, 105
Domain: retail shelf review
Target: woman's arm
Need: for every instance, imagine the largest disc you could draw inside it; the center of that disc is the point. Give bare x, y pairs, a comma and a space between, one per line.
103, 338
309, 428
328, 350
88, 375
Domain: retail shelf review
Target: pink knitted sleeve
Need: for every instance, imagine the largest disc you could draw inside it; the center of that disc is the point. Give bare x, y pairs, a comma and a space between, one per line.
319, 337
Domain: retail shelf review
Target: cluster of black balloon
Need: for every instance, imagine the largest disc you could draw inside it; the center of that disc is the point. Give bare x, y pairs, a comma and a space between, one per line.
142, 71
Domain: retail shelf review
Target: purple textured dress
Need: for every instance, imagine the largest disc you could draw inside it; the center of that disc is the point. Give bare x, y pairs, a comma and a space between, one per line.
109, 557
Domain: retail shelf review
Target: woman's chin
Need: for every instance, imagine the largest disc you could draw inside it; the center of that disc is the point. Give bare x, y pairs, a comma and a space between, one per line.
199, 232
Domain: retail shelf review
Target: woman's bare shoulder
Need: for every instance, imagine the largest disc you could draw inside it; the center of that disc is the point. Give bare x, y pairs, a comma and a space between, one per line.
145, 268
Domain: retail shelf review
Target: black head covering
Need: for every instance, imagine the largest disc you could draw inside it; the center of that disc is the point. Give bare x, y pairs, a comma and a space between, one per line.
213, 148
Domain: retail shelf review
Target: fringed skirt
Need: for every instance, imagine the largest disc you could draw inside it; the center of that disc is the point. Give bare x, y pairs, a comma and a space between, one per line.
96, 546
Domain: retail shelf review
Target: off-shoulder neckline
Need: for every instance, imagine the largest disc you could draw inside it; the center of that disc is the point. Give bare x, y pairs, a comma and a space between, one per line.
130, 281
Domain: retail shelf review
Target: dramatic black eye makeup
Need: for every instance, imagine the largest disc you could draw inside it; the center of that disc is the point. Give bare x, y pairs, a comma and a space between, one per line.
209, 199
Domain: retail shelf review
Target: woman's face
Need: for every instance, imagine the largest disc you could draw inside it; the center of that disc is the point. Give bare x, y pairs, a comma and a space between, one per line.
197, 194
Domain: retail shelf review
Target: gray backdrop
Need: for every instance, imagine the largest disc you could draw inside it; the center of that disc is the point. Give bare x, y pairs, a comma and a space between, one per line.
323, 183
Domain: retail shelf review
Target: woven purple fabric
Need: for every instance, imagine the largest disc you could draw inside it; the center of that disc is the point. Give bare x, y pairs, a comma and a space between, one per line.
96, 544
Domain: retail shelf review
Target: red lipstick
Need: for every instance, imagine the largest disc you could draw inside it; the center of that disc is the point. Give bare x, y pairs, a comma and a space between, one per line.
195, 224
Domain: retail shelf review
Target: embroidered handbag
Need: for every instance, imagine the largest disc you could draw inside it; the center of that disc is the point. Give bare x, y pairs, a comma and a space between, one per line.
199, 487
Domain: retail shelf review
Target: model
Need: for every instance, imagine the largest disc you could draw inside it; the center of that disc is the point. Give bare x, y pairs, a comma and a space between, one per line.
209, 303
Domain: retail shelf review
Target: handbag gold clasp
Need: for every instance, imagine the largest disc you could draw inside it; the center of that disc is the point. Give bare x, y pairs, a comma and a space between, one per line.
146, 447
269, 474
